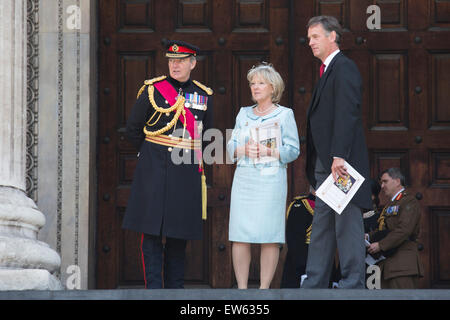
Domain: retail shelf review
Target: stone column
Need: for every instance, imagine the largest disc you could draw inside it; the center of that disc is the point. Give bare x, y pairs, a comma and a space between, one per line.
25, 262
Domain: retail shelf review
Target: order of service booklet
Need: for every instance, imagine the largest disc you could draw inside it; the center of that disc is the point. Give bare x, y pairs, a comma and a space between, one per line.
338, 194
269, 135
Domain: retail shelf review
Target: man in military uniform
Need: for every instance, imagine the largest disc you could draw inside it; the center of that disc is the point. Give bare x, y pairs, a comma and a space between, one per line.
168, 194
299, 218
298, 235
397, 234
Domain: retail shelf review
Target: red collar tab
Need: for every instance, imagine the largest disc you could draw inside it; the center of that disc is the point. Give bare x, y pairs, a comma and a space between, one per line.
399, 196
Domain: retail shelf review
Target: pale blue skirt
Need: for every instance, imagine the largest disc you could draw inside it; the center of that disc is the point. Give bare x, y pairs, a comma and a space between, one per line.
258, 205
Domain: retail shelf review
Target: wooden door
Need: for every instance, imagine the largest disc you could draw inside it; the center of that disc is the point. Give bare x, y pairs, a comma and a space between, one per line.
406, 76
234, 36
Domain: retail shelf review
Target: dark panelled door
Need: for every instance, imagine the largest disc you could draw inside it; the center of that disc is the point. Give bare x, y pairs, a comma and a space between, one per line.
234, 35
406, 75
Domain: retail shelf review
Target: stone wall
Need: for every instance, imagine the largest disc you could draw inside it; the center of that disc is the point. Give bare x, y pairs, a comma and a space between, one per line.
62, 129
25, 262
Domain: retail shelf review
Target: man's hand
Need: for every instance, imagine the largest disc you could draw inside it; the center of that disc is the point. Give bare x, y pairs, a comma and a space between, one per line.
374, 248
338, 168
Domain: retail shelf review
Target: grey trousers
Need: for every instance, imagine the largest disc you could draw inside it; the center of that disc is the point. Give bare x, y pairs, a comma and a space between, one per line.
330, 231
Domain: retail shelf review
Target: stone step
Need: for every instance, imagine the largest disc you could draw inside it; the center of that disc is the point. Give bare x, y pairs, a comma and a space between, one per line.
229, 294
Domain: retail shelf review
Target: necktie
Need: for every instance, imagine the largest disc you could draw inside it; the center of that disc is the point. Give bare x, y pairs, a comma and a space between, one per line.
322, 68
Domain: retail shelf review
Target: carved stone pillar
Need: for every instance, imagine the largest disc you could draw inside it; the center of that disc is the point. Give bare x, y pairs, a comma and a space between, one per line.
25, 262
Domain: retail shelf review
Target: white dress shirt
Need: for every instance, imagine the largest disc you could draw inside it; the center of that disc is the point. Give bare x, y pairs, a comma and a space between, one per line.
329, 58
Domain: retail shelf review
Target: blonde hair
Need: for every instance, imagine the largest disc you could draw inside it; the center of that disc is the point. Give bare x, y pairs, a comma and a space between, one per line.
270, 75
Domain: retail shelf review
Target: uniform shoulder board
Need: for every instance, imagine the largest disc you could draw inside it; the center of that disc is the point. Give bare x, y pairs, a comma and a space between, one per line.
209, 91
150, 82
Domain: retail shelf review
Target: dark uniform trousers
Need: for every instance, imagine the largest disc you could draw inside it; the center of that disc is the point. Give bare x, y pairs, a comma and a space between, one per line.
174, 256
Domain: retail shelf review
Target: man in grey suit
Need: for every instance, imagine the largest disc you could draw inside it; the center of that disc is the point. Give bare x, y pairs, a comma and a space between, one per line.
335, 134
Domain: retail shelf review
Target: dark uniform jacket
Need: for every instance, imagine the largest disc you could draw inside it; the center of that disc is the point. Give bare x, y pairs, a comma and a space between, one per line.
400, 222
370, 219
298, 234
334, 125
165, 197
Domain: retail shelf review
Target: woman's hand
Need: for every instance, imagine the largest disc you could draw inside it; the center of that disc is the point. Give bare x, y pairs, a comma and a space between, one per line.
250, 150
255, 150
269, 152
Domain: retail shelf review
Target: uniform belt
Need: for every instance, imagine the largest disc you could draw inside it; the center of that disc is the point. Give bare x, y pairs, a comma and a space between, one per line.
182, 143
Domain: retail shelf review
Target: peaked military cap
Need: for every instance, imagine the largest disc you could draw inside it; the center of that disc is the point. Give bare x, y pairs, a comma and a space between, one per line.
180, 49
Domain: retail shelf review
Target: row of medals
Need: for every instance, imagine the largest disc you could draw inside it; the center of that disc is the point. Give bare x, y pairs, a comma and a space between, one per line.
190, 104
191, 100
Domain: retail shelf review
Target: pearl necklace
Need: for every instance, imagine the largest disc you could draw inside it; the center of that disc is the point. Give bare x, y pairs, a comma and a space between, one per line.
261, 112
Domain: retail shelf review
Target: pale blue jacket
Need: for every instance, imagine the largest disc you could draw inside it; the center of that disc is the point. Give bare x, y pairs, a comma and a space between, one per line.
290, 148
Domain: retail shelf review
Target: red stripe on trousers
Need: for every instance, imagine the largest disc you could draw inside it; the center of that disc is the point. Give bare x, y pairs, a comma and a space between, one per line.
143, 263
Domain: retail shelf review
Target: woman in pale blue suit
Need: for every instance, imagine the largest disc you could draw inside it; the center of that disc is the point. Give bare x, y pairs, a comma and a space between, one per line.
258, 194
